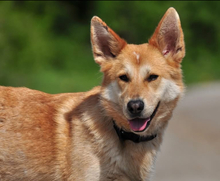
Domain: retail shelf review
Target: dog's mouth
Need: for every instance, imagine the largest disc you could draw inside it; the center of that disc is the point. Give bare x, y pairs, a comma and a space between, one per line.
141, 124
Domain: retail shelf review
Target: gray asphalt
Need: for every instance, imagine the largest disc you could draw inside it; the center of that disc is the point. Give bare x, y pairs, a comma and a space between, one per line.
191, 146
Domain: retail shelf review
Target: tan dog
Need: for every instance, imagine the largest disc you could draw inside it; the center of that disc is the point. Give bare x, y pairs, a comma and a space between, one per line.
112, 132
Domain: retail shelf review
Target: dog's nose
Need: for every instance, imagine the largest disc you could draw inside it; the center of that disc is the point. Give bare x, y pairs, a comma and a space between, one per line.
135, 107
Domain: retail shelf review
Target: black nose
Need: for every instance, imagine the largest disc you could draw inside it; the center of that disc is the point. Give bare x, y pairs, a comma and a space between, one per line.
135, 107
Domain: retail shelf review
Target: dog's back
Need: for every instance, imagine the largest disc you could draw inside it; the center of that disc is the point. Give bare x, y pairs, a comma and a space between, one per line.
27, 132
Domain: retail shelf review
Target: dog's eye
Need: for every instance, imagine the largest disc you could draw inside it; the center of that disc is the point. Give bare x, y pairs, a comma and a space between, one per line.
152, 77
124, 78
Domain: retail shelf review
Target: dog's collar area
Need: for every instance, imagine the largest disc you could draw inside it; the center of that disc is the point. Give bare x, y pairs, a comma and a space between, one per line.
124, 135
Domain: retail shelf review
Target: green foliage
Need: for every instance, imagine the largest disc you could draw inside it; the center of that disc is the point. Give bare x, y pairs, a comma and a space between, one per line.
45, 45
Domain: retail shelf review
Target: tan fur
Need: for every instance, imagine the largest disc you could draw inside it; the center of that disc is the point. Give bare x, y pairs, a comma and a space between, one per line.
71, 136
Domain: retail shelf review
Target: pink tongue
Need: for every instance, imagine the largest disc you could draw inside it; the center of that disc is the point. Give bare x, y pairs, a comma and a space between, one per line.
138, 124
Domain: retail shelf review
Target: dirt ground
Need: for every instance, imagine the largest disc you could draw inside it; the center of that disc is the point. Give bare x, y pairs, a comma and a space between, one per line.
191, 146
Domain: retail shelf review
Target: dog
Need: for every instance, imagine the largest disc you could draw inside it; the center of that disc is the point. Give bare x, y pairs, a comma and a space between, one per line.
110, 133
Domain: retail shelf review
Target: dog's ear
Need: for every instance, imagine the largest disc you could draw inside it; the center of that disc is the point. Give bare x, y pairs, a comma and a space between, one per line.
106, 43
168, 36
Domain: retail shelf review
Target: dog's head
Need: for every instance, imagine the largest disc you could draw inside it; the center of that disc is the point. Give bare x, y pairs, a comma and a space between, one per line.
141, 83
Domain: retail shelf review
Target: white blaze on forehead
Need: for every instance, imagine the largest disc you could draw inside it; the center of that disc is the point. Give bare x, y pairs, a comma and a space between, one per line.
112, 92
137, 57
169, 90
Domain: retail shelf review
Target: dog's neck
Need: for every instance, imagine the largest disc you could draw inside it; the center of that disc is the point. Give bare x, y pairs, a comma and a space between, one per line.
124, 135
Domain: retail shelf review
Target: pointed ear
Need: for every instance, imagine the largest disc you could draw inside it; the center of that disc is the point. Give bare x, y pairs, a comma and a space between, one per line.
105, 42
168, 36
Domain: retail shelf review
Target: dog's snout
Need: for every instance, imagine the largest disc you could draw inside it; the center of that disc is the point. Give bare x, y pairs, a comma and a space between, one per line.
135, 106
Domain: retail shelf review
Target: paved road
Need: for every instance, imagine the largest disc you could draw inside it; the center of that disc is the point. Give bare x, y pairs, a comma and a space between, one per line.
191, 147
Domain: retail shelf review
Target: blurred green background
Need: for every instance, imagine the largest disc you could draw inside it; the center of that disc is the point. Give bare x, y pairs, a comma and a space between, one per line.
45, 45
